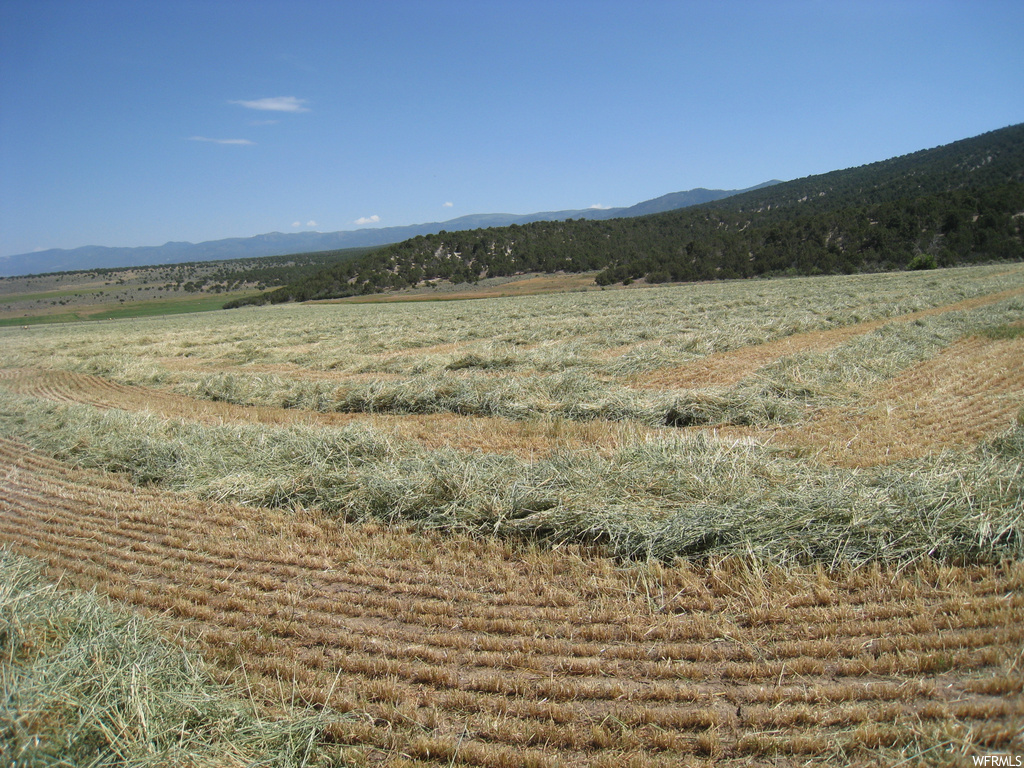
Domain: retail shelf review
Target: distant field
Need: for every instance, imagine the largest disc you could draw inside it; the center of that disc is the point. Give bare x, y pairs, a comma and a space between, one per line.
489, 288
105, 294
763, 522
147, 291
127, 309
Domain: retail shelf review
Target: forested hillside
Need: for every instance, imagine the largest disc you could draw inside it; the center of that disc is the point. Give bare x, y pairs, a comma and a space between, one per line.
956, 204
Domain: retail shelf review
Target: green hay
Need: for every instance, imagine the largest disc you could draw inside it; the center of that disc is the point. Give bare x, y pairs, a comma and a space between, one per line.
666, 497
86, 685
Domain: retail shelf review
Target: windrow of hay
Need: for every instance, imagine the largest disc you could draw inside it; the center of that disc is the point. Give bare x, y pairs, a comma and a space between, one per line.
85, 684
729, 367
660, 497
965, 394
648, 329
571, 395
525, 438
466, 650
865, 361
784, 391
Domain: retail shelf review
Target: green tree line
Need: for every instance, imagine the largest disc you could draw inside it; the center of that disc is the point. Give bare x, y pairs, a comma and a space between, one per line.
956, 204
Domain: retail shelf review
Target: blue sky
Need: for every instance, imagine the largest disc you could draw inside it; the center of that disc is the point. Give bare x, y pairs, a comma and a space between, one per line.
135, 123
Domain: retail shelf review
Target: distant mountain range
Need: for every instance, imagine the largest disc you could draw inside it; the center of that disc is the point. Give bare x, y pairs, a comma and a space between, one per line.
280, 244
960, 203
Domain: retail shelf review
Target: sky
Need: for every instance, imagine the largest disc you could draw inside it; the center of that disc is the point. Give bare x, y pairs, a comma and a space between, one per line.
127, 123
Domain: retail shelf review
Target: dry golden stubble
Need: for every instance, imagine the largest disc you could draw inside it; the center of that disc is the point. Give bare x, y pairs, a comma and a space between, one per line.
730, 367
966, 393
733, 589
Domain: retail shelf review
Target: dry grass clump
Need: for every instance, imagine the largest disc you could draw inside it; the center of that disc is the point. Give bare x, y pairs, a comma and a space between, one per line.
654, 497
84, 684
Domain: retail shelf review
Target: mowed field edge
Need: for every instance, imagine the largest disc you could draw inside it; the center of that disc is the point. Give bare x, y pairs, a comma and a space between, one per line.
447, 649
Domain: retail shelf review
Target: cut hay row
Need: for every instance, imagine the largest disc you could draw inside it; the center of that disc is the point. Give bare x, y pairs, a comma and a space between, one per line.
962, 396
780, 392
966, 393
450, 650
728, 368
529, 360
527, 439
689, 496
665, 327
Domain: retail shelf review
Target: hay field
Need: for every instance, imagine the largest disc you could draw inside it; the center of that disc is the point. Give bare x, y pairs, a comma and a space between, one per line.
769, 522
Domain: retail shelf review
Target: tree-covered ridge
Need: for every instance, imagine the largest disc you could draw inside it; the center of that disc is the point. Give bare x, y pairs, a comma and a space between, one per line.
272, 270
959, 203
984, 161
194, 276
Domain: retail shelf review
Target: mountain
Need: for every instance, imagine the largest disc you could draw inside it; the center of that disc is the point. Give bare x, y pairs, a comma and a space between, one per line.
280, 244
676, 200
956, 204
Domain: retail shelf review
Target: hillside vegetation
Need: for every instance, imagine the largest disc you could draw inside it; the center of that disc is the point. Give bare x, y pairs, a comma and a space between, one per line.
956, 204
277, 244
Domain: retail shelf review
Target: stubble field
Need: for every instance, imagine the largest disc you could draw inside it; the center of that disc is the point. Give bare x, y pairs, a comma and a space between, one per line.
769, 522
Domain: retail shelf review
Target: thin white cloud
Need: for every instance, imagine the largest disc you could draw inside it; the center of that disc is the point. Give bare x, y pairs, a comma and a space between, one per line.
367, 220
274, 104
296, 223
599, 207
239, 142
448, 205
310, 223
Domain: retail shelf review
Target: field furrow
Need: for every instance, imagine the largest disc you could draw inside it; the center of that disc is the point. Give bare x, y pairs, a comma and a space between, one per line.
472, 652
